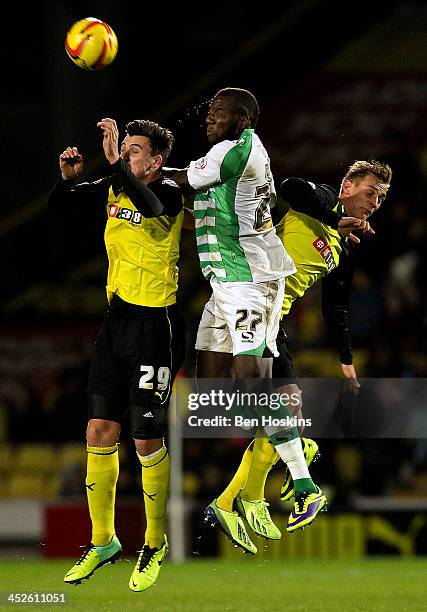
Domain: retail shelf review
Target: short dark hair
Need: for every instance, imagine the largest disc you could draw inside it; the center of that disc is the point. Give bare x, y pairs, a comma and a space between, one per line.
361, 168
244, 102
161, 139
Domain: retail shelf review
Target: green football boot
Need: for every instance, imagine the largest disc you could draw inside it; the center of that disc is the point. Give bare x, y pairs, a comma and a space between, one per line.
93, 558
306, 507
231, 524
147, 567
311, 454
258, 517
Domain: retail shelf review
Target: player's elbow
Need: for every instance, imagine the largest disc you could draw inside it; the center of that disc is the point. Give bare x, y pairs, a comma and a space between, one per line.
288, 186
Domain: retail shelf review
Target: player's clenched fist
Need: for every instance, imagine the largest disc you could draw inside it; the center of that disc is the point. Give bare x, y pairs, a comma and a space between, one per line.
70, 163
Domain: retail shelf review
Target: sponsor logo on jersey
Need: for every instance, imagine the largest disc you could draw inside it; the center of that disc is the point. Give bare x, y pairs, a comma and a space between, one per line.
133, 216
322, 247
247, 336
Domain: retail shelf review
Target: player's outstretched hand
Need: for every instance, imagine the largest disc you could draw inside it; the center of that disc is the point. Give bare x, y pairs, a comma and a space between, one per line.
110, 141
347, 225
70, 163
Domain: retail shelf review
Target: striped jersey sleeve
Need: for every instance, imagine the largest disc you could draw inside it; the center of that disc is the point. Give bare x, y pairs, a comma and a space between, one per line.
210, 170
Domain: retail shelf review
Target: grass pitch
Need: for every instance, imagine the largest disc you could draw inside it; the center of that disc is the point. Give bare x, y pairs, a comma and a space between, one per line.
247, 585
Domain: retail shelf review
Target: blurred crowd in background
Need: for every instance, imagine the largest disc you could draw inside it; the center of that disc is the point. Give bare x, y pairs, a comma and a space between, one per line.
54, 268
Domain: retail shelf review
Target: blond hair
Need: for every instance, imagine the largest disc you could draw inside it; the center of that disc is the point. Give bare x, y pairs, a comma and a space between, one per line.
359, 169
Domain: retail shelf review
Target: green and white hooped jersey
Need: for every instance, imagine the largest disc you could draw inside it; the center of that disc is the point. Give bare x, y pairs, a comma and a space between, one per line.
235, 237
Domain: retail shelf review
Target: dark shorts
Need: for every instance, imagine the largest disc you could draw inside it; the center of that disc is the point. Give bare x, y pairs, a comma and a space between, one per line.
283, 367
138, 352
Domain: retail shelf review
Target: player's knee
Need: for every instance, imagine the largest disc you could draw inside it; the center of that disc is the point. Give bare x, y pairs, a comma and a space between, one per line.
148, 447
292, 395
101, 432
251, 367
212, 364
295, 406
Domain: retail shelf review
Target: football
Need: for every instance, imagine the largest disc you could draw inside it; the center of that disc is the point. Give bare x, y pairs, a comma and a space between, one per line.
91, 44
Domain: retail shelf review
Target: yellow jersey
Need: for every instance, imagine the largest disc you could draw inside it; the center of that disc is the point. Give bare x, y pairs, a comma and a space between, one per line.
315, 249
142, 253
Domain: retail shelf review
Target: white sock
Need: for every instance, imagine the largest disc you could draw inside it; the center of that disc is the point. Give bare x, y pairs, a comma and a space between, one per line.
293, 455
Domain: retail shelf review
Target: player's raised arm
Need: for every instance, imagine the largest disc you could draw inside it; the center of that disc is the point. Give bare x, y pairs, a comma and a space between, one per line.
110, 140
135, 185
70, 163
317, 201
66, 190
179, 176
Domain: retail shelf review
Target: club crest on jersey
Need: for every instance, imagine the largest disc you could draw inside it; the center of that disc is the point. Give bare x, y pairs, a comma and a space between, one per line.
202, 163
133, 216
322, 247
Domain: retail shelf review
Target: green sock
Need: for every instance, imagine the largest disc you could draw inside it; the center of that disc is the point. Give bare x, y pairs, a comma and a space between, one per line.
290, 448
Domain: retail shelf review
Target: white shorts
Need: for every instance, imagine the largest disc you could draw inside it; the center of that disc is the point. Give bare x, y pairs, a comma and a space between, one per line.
241, 318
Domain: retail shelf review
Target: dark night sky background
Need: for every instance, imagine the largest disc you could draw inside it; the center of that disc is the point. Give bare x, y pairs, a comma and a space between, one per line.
172, 58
